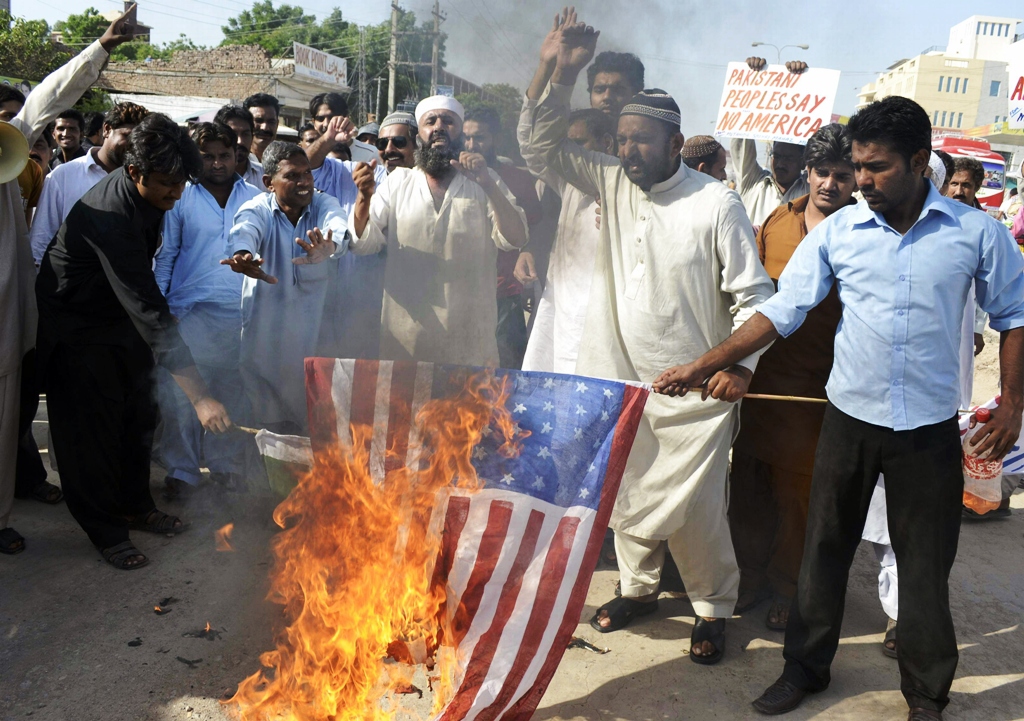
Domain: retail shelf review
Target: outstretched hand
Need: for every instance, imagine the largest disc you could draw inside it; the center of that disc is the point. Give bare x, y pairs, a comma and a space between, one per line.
577, 45
341, 129
120, 31
243, 262
318, 249
363, 177
474, 167
549, 48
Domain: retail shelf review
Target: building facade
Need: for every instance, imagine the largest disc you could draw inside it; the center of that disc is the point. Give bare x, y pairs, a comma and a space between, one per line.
963, 85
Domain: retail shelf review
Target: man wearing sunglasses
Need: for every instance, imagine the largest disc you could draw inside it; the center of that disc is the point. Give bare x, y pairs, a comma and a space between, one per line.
397, 140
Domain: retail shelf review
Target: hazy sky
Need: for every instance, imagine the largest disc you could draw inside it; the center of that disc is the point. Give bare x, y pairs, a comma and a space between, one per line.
685, 45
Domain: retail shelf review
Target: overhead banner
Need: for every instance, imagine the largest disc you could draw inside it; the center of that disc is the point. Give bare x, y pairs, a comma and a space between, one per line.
320, 67
775, 104
1015, 116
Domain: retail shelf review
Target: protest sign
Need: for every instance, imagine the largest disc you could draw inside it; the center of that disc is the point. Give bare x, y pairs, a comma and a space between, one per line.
775, 104
1015, 116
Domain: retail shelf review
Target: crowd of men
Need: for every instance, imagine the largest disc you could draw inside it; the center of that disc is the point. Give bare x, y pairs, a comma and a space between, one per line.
181, 276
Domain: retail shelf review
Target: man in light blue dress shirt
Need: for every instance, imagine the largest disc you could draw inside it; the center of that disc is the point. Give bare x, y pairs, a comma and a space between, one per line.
282, 241
903, 261
206, 299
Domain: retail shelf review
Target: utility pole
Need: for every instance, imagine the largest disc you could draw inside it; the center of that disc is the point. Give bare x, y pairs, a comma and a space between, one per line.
364, 100
393, 61
376, 105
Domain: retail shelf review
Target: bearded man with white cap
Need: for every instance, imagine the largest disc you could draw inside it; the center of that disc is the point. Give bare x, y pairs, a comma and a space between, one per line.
442, 223
676, 270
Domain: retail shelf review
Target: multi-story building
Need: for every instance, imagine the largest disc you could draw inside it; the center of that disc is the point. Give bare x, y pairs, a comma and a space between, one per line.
963, 85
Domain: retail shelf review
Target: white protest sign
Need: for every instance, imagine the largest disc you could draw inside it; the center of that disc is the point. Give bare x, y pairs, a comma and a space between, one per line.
320, 66
775, 104
1015, 116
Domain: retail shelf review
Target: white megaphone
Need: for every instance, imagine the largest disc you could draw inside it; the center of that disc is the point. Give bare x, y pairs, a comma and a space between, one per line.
13, 152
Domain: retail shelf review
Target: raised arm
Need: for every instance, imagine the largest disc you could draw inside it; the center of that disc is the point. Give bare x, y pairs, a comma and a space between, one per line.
339, 130
368, 221
545, 69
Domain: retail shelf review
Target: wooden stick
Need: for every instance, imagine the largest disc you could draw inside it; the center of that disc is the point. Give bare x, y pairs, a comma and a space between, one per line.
799, 399
250, 431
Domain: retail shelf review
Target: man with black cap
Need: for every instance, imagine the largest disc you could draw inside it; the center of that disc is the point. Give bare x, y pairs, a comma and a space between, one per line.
677, 269
397, 140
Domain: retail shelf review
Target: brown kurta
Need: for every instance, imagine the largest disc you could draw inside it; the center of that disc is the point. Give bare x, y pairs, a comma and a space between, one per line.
785, 434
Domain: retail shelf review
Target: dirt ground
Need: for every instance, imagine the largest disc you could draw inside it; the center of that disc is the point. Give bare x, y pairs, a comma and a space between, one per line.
80, 641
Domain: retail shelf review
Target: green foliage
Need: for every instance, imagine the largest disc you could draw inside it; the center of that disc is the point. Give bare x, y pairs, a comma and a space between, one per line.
275, 29
26, 50
81, 30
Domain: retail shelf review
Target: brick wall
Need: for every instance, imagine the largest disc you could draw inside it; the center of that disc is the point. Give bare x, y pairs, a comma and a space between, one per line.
233, 71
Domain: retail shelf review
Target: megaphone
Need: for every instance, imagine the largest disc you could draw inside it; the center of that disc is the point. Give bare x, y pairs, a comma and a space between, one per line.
13, 152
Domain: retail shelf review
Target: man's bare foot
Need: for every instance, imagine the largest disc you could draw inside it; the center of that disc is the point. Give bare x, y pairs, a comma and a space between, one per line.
605, 621
704, 648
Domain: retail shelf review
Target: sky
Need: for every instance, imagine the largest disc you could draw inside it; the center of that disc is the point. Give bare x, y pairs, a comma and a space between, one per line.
684, 45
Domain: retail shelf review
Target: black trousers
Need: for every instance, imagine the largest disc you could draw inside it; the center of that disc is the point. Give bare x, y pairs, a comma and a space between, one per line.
102, 410
511, 332
30, 470
924, 495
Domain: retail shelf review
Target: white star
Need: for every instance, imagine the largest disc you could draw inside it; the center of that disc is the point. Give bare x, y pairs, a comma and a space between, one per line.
538, 484
520, 408
580, 410
581, 387
507, 479
487, 431
544, 452
546, 428
604, 415
549, 383
479, 453
515, 429
584, 493
577, 433
597, 443
549, 406
592, 468
608, 393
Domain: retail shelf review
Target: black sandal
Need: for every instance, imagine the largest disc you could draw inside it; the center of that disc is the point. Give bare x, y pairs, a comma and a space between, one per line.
890, 638
44, 492
156, 521
780, 604
713, 631
11, 542
119, 555
621, 611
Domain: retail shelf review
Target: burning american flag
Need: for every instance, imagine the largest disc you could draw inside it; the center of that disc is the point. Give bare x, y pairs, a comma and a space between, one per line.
520, 472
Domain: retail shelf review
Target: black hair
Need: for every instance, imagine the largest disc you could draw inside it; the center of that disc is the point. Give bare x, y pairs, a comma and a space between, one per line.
598, 123
122, 115
485, 115
1013, 192
235, 112
47, 135
947, 162
305, 128
158, 145
627, 64
278, 151
8, 93
203, 133
72, 114
972, 166
334, 101
262, 100
895, 121
831, 144
93, 123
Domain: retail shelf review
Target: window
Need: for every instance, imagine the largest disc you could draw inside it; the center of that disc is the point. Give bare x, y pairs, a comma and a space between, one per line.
949, 81
935, 118
940, 83
978, 30
956, 86
943, 123
993, 89
959, 120
965, 85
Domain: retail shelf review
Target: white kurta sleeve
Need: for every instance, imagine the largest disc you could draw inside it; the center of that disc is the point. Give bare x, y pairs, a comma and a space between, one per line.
375, 234
534, 163
496, 236
743, 276
744, 162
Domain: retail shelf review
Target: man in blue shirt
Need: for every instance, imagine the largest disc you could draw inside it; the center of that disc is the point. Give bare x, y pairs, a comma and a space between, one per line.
206, 298
903, 262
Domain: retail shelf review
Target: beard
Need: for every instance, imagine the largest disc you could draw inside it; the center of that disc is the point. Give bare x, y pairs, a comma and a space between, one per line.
437, 162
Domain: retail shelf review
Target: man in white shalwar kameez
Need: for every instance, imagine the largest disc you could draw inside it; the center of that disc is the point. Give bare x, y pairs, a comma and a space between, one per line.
677, 269
441, 224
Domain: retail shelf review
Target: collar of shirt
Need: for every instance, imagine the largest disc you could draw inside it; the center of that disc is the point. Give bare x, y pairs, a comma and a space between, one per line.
667, 185
276, 208
863, 214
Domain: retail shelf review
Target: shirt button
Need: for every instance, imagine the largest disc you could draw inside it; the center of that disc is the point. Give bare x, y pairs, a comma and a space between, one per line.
899, 312
903, 277
896, 382
638, 240
897, 348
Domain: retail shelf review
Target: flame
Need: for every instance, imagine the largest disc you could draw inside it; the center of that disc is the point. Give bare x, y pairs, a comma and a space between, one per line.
223, 538
207, 629
354, 570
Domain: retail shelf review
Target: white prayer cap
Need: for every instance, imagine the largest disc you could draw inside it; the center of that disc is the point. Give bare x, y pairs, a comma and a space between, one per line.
938, 170
439, 102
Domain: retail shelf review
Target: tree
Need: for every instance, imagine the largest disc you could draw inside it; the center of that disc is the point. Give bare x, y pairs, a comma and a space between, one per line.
81, 30
272, 28
26, 51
